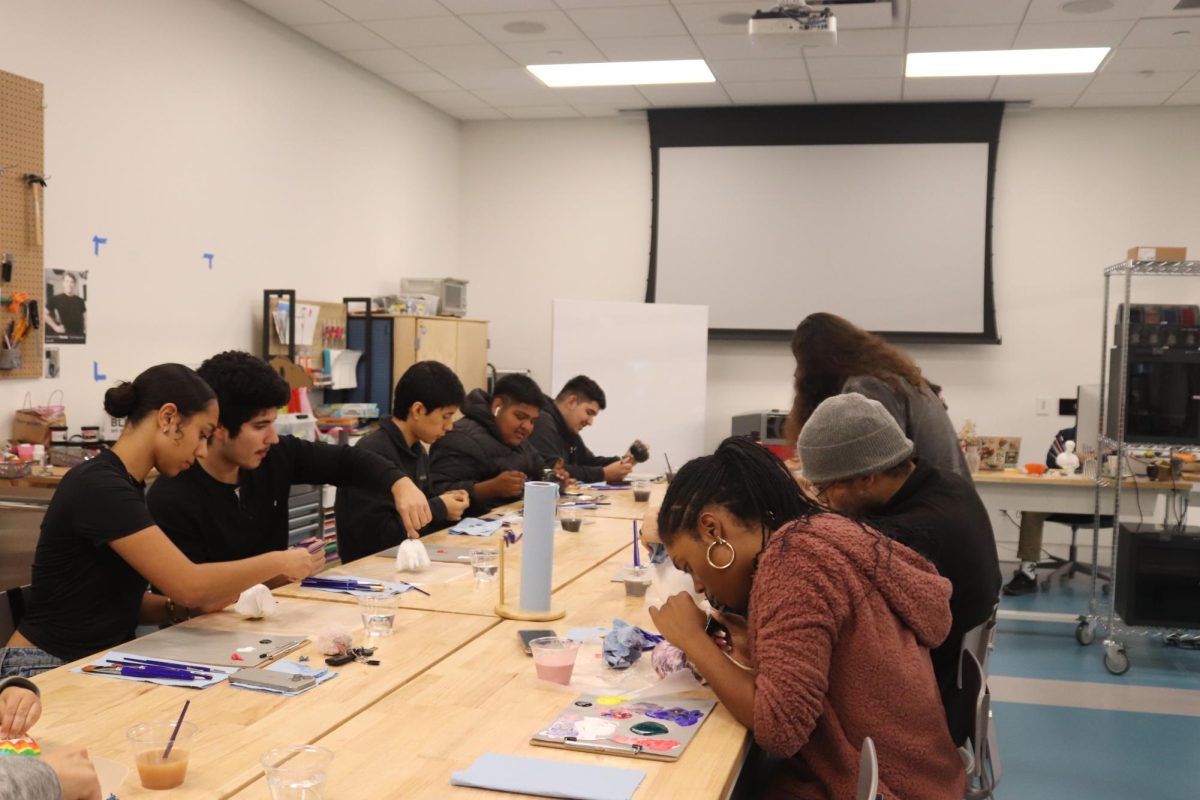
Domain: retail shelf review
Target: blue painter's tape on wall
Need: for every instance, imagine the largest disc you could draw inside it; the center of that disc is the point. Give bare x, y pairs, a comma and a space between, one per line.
96, 242
96, 374
208, 257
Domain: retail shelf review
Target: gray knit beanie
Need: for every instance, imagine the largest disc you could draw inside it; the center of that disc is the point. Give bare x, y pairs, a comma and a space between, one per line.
849, 435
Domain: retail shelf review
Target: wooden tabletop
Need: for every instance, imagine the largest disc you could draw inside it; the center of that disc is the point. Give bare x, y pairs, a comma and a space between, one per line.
236, 726
485, 698
1011, 477
621, 504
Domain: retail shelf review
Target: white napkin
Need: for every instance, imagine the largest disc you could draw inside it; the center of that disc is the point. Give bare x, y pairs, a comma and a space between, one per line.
256, 602
412, 556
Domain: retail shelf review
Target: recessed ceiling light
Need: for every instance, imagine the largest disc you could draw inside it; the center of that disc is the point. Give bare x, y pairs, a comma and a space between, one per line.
1087, 6
623, 73
524, 26
1048, 61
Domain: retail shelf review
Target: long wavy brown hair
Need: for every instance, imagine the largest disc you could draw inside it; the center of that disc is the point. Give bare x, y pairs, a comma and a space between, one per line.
830, 350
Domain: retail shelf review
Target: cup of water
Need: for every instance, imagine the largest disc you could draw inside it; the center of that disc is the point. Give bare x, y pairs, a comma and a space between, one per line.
485, 564
378, 614
297, 772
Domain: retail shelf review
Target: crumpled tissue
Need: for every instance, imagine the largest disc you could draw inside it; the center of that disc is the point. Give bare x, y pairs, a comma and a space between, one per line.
667, 659
256, 602
333, 640
412, 556
623, 645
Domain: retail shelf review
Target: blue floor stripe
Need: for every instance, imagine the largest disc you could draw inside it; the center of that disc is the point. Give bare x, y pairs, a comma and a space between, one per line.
1084, 754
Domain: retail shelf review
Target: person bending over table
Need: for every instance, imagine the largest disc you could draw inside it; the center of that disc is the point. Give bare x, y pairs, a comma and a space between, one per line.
488, 453
424, 403
830, 624
556, 433
99, 548
234, 504
55, 775
859, 462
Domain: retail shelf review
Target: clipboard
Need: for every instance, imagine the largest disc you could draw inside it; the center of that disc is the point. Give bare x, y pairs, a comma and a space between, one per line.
681, 716
222, 648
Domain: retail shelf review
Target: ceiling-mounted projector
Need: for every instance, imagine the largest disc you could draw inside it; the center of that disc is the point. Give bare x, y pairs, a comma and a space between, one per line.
793, 23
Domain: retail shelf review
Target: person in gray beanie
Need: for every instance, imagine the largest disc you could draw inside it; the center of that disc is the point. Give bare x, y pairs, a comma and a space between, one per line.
858, 461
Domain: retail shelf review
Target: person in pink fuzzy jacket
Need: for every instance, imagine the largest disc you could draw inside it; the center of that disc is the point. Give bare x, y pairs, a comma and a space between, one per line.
827, 629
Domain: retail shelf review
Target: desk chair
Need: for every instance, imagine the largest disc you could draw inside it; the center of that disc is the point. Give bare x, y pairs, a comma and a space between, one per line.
1067, 567
868, 773
980, 755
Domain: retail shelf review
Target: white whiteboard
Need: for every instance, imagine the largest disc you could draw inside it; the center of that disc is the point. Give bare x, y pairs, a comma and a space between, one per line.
651, 360
891, 236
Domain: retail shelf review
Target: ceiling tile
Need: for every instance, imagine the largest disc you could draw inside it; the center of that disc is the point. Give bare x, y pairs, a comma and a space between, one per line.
557, 26
1184, 99
1055, 100
648, 48
505, 78
928, 13
571, 4
718, 18
298, 12
1164, 33
531, 96
497, 6
1052, 11
857, 67
461, 56
479, 114
384, 62
540, 112
600, 23
696, 94
1027, 87
1166, 8
1072, 34
736, 46
870, 42
601, 110
363, 10
760, 69
1191, 86
619, 96
342, 36
974, 37
1088, 99
426, 32
1156, 58
422, 82
858, 90
770, 92
1127, 82
573, 51
920, 89
451, 102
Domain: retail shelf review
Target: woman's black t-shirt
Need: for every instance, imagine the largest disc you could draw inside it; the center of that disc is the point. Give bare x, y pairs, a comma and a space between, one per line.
85, 597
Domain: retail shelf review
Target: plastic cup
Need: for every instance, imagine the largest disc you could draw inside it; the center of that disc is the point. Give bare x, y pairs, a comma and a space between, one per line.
378, 614
637, 580
297, 772
641, 491
554, 658
570, 521
485, 564
149, 741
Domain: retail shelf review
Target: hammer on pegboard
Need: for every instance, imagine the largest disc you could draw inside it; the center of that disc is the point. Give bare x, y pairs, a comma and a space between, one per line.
37, 184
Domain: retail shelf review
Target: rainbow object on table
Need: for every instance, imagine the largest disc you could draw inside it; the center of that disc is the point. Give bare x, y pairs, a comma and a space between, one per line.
19, 747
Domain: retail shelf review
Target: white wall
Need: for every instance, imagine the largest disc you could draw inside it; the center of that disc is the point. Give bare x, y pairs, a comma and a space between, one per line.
178, 127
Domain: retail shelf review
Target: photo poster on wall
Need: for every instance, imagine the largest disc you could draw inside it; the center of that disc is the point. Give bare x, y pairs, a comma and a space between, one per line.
66, 306
651, 360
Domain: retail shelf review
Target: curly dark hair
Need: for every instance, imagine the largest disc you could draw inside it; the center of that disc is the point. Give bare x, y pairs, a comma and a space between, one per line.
829, 351
245, 386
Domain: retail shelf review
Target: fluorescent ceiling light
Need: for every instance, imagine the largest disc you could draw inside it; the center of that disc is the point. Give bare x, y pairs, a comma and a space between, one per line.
1050, 61
623, 73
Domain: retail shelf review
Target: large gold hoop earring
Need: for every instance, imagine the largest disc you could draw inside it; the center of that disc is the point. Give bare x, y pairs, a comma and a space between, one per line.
732, 554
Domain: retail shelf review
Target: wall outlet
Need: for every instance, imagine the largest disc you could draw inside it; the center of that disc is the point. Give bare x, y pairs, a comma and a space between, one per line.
1042, 407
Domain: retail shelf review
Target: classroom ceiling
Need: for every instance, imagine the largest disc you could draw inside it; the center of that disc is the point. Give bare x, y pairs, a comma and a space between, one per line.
467, 57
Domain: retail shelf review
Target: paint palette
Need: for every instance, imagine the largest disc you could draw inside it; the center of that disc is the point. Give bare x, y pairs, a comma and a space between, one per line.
23, 746
656, 727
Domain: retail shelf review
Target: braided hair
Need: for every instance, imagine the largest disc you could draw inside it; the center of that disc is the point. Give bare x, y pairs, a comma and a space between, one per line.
743, 477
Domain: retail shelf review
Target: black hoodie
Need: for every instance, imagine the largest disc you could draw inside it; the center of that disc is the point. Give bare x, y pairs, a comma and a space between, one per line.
474, 452
554, 440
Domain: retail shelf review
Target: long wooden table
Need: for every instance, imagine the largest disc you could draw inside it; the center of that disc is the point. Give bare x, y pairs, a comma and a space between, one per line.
620, 503
486, 698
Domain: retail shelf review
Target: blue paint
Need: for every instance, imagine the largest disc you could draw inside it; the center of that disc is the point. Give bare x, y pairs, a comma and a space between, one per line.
96, 242
96, 374
209, 258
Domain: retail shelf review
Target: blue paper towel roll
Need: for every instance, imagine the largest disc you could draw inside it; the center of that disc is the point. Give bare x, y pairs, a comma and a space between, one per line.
537, 545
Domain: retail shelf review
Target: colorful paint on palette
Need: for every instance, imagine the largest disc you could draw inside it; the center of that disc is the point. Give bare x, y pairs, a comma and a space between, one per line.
657, 745
19, 747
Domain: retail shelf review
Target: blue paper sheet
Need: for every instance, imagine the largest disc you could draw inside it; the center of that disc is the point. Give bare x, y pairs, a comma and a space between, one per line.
321, 674
390, 588
546, 778
473, 526
218, 673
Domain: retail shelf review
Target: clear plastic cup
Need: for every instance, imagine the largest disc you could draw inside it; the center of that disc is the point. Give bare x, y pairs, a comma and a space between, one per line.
570, 520
554, 658
485, 564
149, 741
297, 772
378, 614
641, 491
637, 580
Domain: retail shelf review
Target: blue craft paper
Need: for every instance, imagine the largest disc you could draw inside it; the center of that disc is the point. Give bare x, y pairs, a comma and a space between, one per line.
390, 588
321, 674
218, 673
473, 526
623, 645
586, 634
546, 778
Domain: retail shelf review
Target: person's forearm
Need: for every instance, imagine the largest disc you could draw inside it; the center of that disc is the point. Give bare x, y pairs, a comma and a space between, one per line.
206, 584
733, 685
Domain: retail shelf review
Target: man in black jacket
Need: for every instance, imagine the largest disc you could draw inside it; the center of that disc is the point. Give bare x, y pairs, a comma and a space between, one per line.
556, 432
858, 461
234, 503
427, 397
488, 452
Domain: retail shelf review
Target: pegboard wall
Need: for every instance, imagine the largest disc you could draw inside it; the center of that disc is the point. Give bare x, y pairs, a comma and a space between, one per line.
21, 230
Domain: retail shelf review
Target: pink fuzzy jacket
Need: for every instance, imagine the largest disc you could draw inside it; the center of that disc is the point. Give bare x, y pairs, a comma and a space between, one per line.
841, 623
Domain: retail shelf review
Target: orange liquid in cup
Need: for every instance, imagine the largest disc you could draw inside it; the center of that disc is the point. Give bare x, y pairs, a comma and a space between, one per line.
159, 774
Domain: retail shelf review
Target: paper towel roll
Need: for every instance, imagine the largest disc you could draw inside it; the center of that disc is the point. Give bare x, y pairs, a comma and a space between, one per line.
537, 546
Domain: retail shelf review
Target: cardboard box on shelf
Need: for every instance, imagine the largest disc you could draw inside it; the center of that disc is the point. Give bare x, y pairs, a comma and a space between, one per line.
1145, 253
